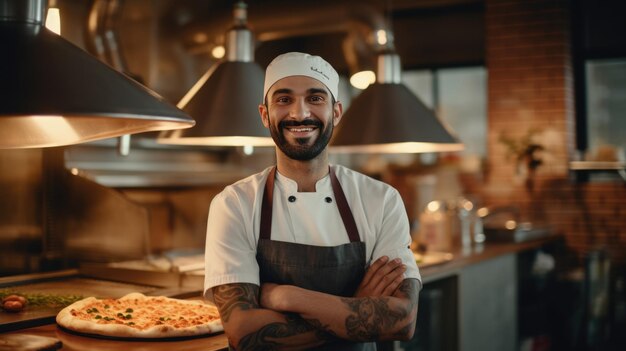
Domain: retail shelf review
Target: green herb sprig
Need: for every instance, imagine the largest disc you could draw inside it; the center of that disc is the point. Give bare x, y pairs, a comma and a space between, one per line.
40, 299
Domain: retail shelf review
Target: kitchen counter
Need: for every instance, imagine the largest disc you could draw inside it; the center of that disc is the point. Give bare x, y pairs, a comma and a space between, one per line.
461, 259
75, 342
473, 301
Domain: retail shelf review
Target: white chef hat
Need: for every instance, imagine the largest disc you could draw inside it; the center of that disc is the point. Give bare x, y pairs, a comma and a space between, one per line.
301, 64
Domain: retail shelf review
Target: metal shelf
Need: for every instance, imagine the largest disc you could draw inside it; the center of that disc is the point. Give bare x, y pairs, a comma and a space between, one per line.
600, 166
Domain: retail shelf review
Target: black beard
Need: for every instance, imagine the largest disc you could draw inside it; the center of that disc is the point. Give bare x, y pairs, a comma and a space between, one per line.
301, 151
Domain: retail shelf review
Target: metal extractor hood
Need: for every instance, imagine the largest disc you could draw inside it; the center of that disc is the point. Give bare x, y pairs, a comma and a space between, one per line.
54, 93
225, 100
388, 118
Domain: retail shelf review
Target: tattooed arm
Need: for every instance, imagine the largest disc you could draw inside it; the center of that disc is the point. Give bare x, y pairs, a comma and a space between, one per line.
250, 327
357, 318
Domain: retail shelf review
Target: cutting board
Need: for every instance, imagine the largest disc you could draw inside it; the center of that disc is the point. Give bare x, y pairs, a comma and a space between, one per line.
27, 342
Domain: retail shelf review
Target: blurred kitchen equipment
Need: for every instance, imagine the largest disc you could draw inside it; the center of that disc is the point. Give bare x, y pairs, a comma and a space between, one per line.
56, 94
504, 224
465, 216
432, 232
219, 121
425, 190
444, 225
409, 126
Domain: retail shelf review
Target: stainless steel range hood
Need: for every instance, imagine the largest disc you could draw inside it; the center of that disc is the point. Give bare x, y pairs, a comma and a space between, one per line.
225, 100
388, 118
53, 93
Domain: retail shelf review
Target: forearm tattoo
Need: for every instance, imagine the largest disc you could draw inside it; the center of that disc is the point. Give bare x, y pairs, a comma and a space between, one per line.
370, 317
409, 289
235, 296
245, 297
268, 337
323, 331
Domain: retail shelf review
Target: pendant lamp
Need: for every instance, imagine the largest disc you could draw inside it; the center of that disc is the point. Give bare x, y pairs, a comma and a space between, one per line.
388, 118
54, 93
225, 101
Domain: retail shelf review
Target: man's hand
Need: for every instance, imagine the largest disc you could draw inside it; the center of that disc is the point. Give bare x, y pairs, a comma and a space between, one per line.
382, 278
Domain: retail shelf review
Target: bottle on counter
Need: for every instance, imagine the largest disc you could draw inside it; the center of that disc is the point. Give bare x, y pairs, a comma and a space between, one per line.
445, 225
433, 229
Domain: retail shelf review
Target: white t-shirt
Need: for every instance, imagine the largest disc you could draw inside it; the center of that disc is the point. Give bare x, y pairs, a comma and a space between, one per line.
235, 216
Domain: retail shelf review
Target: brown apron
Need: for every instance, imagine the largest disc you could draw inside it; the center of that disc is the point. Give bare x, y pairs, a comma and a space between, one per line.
334, 270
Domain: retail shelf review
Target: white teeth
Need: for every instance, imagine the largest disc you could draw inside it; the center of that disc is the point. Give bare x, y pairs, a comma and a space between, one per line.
301, 129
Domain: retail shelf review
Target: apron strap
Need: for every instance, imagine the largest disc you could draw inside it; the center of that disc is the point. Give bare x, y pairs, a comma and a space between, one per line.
344, 209
266, 206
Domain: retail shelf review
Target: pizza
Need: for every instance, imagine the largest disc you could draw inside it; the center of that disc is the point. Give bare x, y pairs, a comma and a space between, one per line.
139, 316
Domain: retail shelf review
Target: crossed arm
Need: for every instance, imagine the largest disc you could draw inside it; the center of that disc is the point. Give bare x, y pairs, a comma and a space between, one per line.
288, 317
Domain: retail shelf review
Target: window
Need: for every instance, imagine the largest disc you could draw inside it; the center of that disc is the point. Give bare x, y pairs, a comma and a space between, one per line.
459, 95
606, 109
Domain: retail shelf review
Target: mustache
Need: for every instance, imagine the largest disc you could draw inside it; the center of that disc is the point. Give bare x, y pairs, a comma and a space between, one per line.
304, 122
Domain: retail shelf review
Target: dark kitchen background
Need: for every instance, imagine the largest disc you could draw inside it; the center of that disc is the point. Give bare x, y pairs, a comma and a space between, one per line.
534, 89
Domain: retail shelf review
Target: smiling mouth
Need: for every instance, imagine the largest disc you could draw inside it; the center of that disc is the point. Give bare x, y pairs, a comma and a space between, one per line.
301, 129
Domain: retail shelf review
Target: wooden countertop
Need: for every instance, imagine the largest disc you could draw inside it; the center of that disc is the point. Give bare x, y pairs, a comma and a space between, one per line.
461, 258
74, 342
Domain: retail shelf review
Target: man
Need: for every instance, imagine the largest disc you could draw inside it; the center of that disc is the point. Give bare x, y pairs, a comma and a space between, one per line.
287, 249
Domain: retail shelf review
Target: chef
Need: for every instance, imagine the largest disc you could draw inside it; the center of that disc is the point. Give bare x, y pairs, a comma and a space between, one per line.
305, 254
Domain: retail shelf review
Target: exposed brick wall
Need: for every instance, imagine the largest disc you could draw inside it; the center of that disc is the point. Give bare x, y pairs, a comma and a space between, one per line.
590, 215
530, 89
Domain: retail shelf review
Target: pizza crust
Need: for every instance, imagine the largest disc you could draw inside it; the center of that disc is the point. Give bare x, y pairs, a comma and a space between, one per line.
145, 312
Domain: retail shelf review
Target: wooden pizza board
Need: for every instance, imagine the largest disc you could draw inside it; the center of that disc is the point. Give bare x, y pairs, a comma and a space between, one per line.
28, 342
